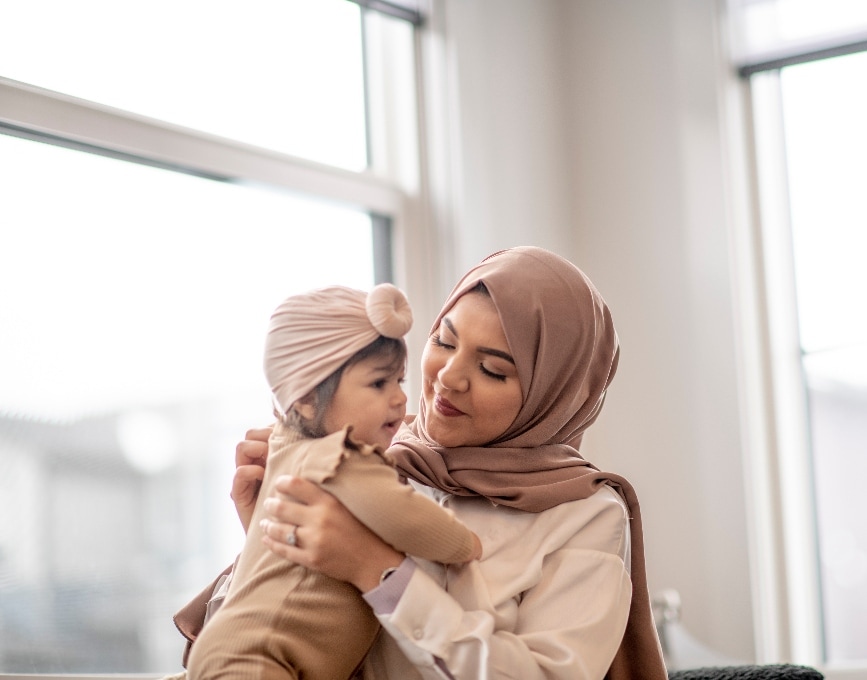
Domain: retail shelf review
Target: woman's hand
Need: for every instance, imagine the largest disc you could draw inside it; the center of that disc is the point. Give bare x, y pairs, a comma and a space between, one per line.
250, 458
329, 539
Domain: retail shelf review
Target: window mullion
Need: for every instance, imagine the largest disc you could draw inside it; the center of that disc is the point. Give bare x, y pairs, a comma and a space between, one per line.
796, 513
32, 111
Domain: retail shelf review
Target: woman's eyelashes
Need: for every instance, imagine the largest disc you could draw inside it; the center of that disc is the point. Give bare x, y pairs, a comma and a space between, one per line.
492, 374
437, 341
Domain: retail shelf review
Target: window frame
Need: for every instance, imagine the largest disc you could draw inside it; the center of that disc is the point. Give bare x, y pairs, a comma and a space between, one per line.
37, 113
777, 449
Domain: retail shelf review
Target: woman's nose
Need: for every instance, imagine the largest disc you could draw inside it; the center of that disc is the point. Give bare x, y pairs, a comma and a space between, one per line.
452, 376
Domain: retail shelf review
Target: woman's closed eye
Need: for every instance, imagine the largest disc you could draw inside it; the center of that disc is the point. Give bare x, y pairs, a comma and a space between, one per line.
492, 374
437, 340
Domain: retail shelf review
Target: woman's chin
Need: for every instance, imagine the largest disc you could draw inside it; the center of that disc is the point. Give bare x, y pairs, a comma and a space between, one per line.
444, 431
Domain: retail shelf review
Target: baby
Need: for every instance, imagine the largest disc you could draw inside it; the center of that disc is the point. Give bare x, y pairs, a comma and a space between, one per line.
335, 360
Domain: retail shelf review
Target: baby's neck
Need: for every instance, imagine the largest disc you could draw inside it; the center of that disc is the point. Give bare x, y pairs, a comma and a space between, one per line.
289, 432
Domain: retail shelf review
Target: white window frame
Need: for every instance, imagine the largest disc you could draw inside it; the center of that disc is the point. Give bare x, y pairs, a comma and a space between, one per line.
36, 112
783, 546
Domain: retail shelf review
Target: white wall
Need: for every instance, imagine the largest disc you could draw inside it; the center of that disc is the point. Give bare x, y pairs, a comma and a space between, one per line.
509, 166
593, 127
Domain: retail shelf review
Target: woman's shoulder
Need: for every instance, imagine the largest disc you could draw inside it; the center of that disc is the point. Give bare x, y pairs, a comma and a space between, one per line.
604, 511
599, 519
604, 502
598, 522
607, 497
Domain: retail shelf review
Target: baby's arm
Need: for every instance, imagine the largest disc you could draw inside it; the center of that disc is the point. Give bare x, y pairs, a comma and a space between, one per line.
407, 520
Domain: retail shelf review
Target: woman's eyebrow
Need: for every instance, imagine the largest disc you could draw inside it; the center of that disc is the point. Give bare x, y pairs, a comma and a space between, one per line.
497, 353
448, 322
484, 350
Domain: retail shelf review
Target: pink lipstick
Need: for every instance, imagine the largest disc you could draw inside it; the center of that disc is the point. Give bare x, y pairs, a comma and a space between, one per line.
446, 408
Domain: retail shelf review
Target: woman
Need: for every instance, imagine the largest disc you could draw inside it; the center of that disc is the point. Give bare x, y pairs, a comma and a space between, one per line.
514, 372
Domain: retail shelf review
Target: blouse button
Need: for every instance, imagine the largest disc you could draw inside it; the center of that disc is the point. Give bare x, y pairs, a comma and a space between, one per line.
418, 633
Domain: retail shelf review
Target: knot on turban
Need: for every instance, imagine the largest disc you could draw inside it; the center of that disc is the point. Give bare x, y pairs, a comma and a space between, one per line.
389, 311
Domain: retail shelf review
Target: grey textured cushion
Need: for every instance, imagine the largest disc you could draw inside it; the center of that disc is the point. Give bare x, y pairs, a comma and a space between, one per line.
760, 672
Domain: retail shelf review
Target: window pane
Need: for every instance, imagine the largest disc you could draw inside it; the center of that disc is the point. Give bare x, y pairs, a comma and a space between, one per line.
281, 74
838, 424
133, 303
824, 107
826, 144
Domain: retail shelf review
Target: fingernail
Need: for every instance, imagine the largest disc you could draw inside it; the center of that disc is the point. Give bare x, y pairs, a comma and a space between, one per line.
263, 524
269, 503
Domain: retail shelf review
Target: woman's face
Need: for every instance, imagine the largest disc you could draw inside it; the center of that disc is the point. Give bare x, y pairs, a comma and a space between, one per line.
470, 383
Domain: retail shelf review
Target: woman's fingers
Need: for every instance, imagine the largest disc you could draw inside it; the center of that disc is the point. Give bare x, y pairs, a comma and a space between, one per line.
279, 531
275, 535
300, 502
254, 449
295, 501
251, 455
245, 490
259, 434
288, 514
301, 490
327, 536
247, 477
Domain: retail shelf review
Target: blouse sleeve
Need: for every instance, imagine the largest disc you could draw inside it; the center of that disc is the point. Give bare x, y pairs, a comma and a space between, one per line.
567, 625
397, 513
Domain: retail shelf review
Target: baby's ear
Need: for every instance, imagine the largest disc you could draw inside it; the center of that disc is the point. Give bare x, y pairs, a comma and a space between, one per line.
306, 407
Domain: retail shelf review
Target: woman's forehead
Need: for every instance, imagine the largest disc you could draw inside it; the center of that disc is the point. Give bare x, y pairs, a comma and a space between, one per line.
474, 311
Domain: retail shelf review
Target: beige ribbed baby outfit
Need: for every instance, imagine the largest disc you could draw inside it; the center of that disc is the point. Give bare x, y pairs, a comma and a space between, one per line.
281, 620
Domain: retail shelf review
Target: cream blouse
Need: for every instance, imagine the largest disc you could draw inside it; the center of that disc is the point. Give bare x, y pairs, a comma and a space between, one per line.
549, 599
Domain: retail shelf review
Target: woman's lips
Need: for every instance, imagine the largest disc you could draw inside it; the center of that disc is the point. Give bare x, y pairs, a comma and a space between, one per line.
446, 408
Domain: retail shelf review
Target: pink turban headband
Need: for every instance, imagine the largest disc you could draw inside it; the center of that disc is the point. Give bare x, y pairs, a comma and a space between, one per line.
312, 335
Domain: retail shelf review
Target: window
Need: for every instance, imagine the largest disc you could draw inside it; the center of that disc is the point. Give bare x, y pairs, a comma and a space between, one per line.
806, 63
242, 75
157, 205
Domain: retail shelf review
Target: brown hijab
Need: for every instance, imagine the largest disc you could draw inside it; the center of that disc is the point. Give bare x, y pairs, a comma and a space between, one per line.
561, 336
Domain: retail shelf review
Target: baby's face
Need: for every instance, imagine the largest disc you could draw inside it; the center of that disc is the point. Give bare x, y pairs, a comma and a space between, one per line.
369, 397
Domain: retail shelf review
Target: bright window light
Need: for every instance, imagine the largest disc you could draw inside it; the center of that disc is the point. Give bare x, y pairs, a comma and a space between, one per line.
824, 109
286, 75
121, 283
133, 305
